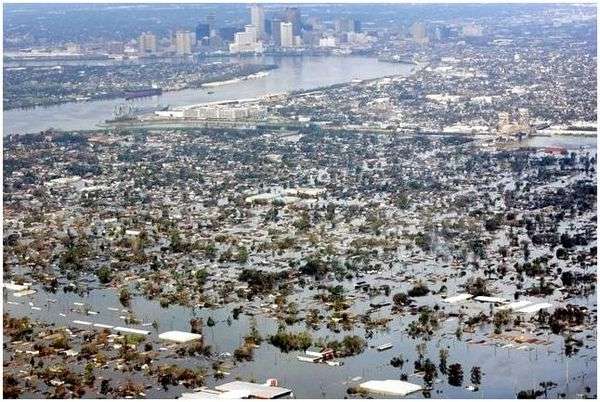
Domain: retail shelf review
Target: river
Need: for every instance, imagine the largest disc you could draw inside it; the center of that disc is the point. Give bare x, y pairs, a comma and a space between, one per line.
294, 73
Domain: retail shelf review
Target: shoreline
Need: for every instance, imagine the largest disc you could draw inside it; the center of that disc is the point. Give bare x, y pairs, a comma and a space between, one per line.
266, 68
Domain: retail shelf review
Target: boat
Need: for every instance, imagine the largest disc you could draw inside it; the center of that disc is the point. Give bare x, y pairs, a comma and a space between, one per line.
385, 346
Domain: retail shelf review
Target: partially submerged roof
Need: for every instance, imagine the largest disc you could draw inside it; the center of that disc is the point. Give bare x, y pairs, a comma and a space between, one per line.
15, 286
25, 292
516, 305
210, 394
179, 336
132, 330
390, 387
491, 299
260, 391
534, 308
458, 298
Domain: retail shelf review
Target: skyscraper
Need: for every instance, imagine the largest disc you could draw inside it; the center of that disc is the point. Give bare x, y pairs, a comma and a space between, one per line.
147, 43
202, 31
257, 16
292, 15
246, 41
228, 33
419, 32
287, 34
183, 42
276, 32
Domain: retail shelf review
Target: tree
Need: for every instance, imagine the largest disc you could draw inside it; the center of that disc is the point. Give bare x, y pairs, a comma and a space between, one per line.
104, 274
567, 278
430, 372
242, 256
420, 289
124, 297
201, 276
400, 299
455, 375
477, 287
476, 375
443, 360
397, 361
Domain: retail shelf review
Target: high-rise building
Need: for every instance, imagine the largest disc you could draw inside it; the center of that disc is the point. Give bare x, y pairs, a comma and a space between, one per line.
147, 43
292, 14
202, 31
356, 26
316, 23
246, 41
472, 30
268, 27
276, 32
442, 33
115, 47
287, 34
343, 25
257, 17
183, 42
228, 33
419, 32
252, 30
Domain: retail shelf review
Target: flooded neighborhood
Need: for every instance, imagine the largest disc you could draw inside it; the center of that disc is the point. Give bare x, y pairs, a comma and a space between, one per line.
426, 230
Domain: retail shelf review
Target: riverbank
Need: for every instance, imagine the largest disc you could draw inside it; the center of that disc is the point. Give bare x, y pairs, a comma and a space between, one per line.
293, 73
247, 72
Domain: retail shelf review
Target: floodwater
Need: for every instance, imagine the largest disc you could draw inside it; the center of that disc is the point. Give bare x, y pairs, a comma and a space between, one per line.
506, 370
294, 73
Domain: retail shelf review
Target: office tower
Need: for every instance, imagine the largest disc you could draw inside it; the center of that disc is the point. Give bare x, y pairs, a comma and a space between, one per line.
442, 33
343, 25
316, 23
257, 18
472, 30
252, 31
356, 26
228, 33
115, 47
147, 43
292, 15
287, 34
276, 32
246, 41
183, 42
202, 31
327, 42
268, 28
419, 33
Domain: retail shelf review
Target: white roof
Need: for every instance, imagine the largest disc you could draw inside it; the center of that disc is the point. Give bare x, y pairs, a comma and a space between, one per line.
22, 293
132, 330
209, 394
491, 299
458, 298
516, 305
103, 326
260, 391
534, 307
179, 336
81, 322
15, 287
392, 387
